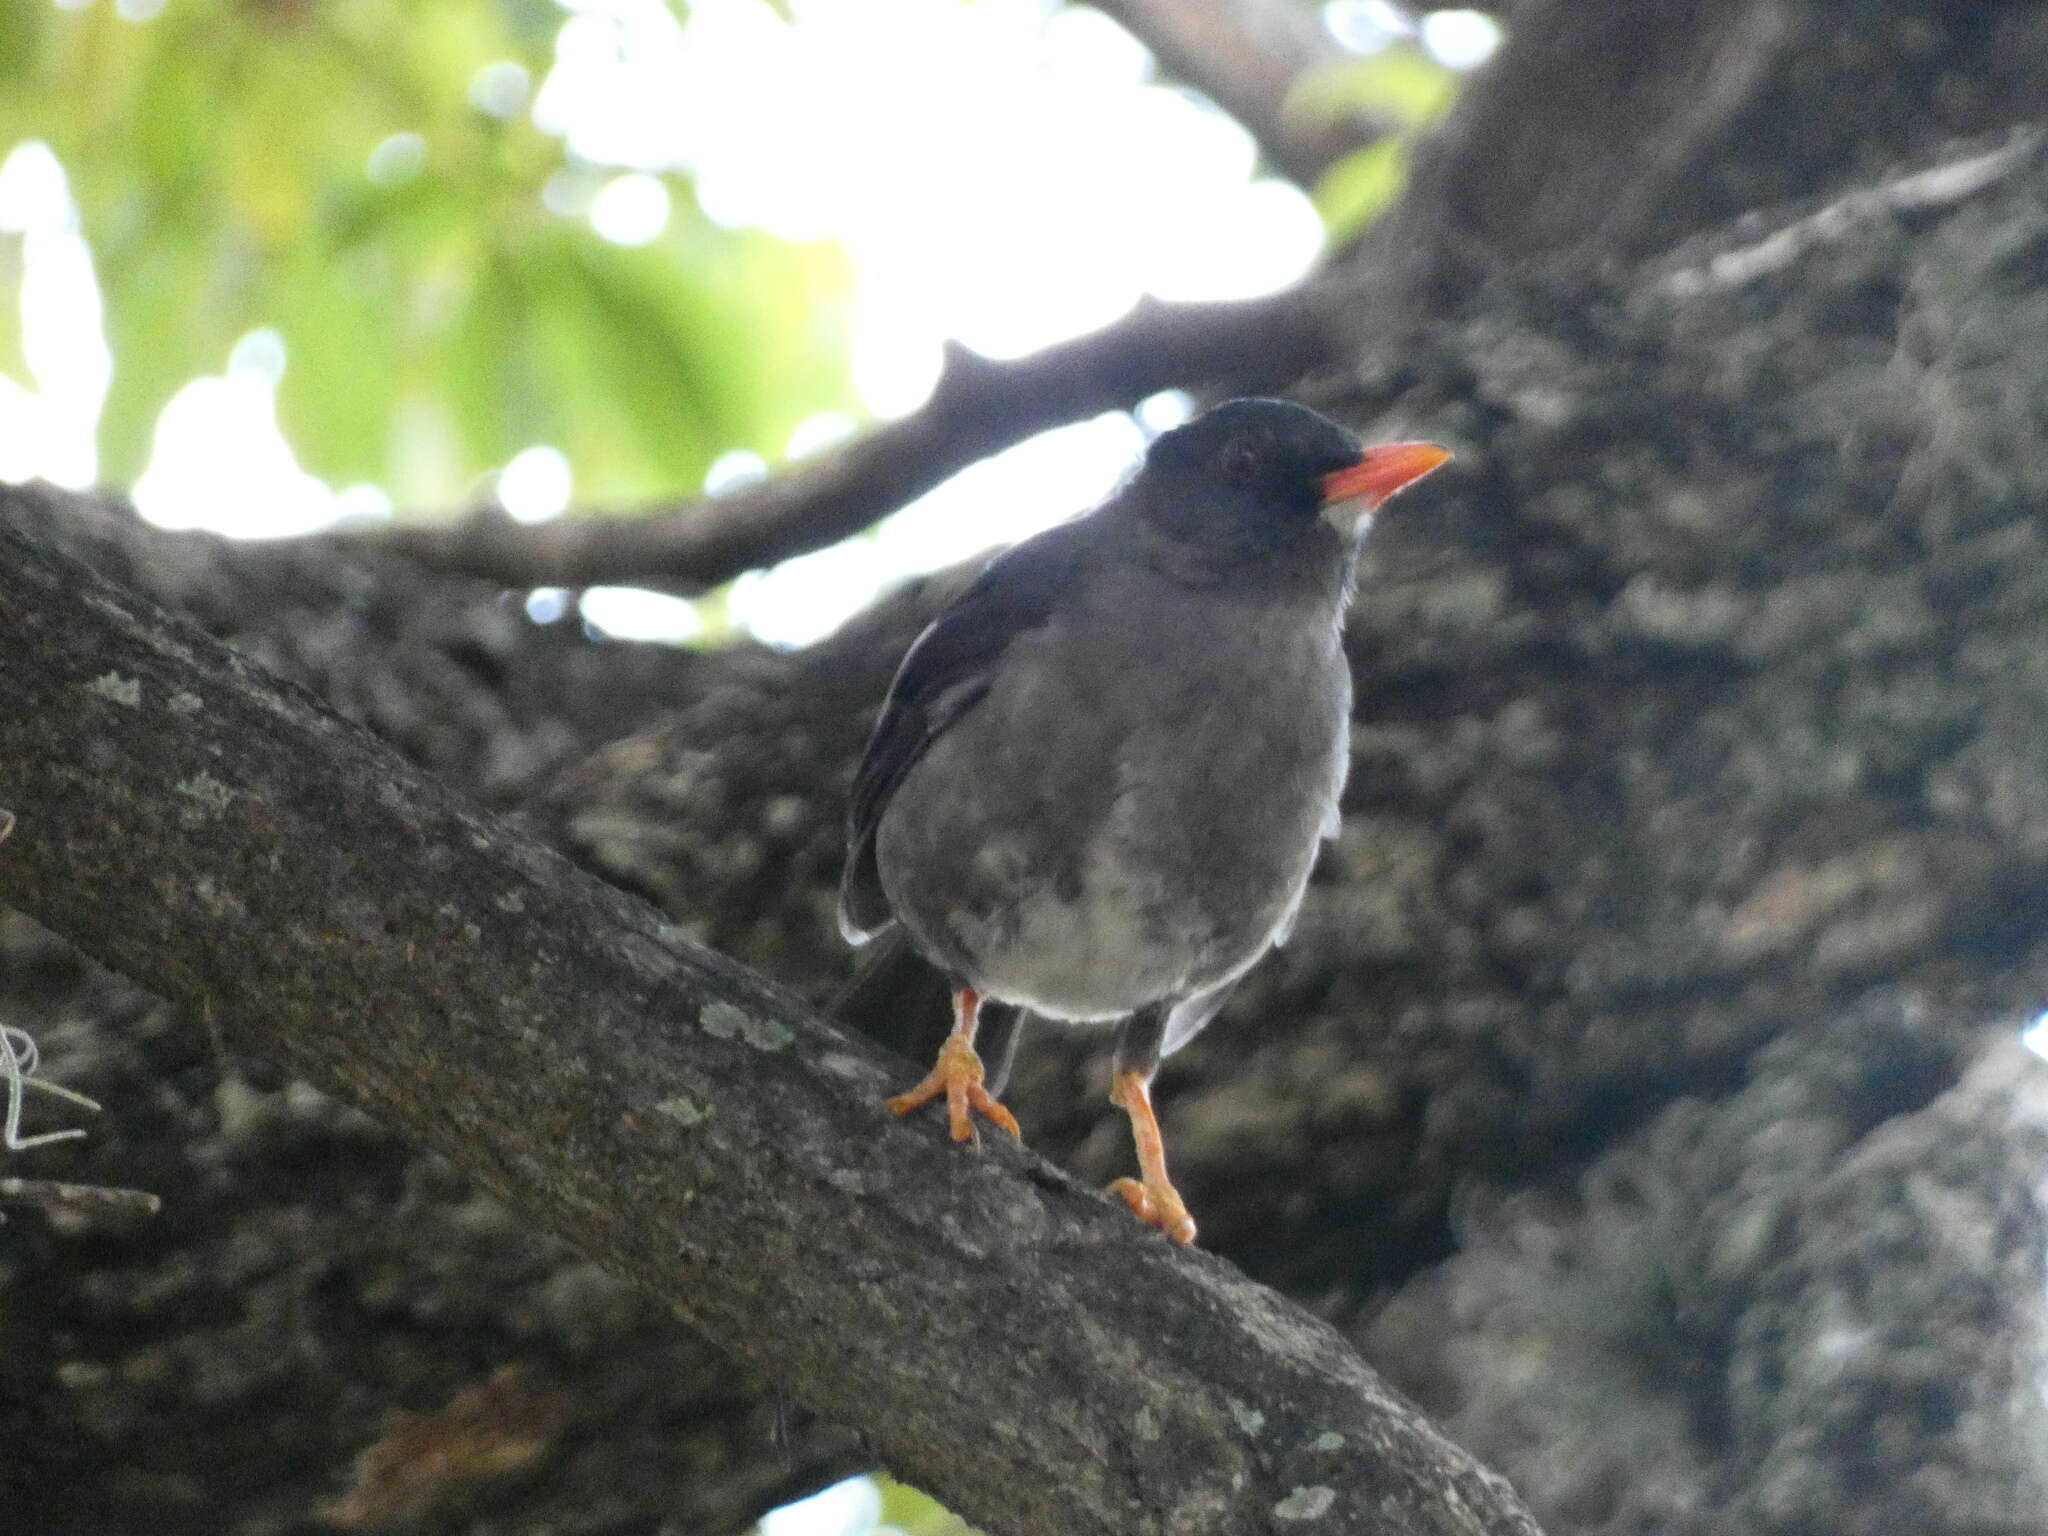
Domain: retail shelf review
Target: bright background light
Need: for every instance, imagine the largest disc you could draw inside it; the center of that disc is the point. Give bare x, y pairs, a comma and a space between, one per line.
851, 1508
2035, 1036
1460, 39
1004, 173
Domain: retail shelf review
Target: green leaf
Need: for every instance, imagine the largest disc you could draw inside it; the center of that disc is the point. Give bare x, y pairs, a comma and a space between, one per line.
165, 329
22, 25
495, 383
1351, 193
638, 339
437, 317
342, 371
530, 24
918, 1514
12, 362
1403, 83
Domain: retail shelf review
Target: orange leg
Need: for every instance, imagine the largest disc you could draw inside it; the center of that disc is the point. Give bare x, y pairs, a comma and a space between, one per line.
958, 1076
1153, 1200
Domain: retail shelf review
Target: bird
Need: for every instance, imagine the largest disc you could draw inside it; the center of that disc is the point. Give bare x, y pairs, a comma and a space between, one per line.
1101, 775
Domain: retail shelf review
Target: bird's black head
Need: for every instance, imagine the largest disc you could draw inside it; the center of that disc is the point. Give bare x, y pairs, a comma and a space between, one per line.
1246, 477
1254, 478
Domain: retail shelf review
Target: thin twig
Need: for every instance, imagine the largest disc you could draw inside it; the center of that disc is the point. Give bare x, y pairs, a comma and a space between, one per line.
90, 1201
978, 408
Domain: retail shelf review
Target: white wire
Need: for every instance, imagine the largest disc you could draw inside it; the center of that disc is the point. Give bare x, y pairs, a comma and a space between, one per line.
18, 1061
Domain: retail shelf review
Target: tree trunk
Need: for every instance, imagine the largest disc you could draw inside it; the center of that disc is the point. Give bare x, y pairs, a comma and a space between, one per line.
1639, 1089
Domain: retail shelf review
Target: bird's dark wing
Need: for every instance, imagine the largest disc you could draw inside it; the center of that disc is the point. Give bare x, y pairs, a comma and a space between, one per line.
943, 676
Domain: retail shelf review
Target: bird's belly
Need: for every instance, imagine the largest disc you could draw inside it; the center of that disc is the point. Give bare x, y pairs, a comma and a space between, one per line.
1066, 973
1099, 953
1127, 902
1122, 936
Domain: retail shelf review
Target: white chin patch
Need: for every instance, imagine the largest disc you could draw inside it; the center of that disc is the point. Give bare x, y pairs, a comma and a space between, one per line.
1351, 516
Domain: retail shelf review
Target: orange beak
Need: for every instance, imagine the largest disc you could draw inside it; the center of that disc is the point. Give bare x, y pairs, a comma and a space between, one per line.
1359, 489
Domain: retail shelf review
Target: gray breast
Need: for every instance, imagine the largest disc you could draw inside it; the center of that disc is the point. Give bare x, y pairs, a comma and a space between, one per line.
1131, 811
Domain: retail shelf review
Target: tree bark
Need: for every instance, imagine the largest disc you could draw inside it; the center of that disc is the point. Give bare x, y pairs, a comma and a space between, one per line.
1011, 1342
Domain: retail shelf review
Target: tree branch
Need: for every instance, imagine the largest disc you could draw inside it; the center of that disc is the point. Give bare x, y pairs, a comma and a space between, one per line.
1601, 124
1005, 1338
979, 407
1247, 56
1931, 190
79, 1204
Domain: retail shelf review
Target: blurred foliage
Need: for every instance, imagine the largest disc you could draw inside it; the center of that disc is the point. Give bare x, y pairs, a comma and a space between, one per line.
11, 268
438, 316
1350, 193
1402, 83
916, 1514
889, 1508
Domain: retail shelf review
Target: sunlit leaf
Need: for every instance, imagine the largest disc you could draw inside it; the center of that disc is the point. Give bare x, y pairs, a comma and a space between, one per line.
321, 169
342, 372
495, 383
21, 32
12, 363
643, 339
1353, 191
531, 24
918, 1514
1403, 83
169, 326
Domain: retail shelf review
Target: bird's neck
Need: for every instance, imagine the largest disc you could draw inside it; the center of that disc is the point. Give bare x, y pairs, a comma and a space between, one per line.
1315, 566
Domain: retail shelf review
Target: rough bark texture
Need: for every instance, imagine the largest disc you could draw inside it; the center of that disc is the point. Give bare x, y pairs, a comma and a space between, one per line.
673, 1115
1619, 129
327, 1329
1638, 1088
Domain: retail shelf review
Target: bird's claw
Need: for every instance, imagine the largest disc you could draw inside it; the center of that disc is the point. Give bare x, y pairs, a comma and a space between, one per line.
1157, 1205
958, 1076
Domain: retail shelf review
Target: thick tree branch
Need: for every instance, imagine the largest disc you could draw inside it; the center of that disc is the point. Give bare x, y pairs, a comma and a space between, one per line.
1248, 56
1004, 1337
979, 407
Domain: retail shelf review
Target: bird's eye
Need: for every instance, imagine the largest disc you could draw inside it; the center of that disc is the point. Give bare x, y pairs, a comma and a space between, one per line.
1240, 462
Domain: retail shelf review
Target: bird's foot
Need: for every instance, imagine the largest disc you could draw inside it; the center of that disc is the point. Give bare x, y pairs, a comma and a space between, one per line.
958, 1076
1157, 1205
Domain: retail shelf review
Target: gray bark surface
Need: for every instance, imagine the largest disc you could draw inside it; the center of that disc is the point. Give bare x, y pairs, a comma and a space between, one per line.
1010, 1341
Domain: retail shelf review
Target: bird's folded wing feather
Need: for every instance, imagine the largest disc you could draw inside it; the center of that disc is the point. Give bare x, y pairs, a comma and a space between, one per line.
1191, 1015
943, 676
